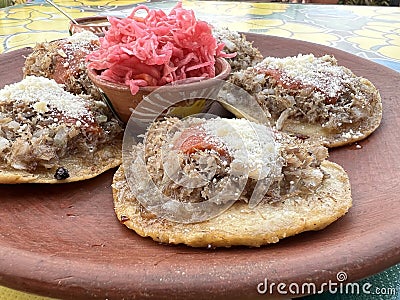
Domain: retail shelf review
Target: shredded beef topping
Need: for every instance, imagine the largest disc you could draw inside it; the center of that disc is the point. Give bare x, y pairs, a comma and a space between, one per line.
308, 89
40, 123
246, 54
64, 61
298, 160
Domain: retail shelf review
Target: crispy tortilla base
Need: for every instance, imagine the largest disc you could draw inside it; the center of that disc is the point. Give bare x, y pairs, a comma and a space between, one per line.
240, 225
105, 158
348, 135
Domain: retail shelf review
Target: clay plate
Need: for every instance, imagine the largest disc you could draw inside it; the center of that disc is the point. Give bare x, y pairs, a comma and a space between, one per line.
64, 241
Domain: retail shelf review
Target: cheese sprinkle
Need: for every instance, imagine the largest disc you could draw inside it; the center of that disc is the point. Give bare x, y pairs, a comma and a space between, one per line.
44, 94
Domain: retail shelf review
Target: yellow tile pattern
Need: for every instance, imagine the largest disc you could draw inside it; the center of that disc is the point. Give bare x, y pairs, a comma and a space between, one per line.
375, 30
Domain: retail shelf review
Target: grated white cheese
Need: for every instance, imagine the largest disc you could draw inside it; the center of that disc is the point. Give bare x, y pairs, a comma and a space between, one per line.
249, 143
44, 94
83, 36
85, 42
322, 73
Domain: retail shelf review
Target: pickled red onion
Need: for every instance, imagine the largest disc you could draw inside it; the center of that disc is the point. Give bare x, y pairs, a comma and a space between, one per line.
156, 49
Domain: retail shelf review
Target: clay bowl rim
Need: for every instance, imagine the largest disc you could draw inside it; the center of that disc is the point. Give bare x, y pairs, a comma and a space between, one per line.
99, 82
104, 85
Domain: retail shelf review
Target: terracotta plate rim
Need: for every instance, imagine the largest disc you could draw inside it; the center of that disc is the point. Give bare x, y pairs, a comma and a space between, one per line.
165, 272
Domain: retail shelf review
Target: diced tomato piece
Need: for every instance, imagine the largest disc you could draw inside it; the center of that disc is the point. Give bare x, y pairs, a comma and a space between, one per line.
195, 139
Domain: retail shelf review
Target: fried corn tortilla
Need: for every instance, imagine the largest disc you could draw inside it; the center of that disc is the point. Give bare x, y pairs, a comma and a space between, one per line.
313, 97
48, 135
64, 60
304, 190
78, 168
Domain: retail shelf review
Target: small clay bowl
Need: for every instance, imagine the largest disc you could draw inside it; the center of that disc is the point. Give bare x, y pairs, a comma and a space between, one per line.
97, 25
121, 100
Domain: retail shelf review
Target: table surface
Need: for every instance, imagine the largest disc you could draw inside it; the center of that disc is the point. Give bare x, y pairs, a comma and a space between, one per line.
369, 32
